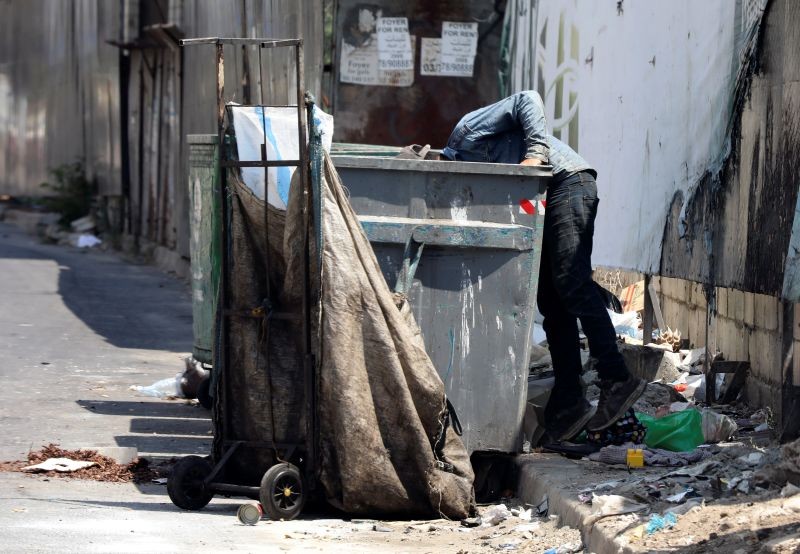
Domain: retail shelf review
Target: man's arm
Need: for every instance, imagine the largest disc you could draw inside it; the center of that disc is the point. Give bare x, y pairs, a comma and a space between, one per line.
523, 110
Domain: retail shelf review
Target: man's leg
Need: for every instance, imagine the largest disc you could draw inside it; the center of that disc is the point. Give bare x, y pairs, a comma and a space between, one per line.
572, 203
567, 410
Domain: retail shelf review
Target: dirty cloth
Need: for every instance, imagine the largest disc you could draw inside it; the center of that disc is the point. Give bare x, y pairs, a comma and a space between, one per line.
614, 454
385, 438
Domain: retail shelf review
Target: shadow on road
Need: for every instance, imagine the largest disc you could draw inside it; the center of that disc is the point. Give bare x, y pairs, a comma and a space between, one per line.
160, 431
131, 306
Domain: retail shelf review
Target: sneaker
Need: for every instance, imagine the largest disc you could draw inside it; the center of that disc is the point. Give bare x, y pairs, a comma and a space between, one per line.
569, 422
616, 397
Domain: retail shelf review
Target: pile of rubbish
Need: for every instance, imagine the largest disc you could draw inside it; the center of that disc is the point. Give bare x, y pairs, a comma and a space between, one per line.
54, 461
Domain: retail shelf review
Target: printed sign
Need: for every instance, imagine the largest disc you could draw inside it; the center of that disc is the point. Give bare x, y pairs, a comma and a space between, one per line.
430, 57
394, 44
459, 45
359, 66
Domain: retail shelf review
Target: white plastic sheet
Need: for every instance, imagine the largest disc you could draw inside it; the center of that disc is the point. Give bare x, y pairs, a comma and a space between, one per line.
279, 125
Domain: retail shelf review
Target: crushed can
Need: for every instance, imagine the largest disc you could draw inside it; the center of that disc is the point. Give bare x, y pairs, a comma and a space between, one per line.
250, 514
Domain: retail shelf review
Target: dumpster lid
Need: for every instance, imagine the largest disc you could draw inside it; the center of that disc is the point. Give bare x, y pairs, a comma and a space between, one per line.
434, 166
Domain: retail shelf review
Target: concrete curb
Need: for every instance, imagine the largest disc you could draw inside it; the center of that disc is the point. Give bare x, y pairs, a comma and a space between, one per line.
553, 475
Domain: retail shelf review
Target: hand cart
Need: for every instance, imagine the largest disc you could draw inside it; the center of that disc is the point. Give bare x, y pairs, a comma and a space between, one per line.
287, 469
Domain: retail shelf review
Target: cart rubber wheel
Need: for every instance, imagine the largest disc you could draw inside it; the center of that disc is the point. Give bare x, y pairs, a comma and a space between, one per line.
204, 393
185, 484
282, 493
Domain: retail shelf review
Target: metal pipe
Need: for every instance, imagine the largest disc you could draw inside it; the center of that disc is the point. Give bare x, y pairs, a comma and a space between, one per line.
261, 163
262, 42
234, 489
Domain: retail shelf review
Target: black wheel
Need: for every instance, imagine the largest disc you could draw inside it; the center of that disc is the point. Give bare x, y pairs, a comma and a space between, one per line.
204, 393
282, 493
185, 484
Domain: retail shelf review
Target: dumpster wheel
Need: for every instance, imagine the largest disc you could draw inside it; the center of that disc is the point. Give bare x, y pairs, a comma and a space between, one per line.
185, 485
282, 493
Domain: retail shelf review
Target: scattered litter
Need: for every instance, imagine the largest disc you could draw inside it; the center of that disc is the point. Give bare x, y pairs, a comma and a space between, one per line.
694, 471
568, 548
165, 388
694, 357
87, 240
681, 496
691, 504
627, 323
669, 339
62, 465
679, 432
543, 507
614, 504
160, 481
618, 455
761, 428
525, 515
789, 490
250, 513
753, 459
100, 468
635, 457
717, 427
494, 515
471, 521
527, 527
513, 544
83, 224
658, 523
381, 529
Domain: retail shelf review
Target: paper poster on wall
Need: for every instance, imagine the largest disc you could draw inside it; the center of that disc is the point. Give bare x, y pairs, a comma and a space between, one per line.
459, 44
394, 44
359, 65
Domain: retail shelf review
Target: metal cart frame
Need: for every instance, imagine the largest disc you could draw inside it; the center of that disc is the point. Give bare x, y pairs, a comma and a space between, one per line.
195, 480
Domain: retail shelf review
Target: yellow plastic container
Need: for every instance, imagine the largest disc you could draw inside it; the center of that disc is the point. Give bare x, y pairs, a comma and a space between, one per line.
635, 457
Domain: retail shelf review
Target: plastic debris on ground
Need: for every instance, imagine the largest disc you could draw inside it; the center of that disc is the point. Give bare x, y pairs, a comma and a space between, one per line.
87, 240
659, 523
614, 504
62, 465
627, 323
569, 548
717, 427
679, 432
493, 515
165, 388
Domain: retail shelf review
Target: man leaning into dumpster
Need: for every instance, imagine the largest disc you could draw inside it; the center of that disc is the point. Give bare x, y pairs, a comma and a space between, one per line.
513, 130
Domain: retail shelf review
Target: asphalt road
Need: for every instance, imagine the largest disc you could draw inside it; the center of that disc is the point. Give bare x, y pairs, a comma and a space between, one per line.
77, 329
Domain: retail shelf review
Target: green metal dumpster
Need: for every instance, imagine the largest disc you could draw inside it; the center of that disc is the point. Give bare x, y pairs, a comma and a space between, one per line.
204, 247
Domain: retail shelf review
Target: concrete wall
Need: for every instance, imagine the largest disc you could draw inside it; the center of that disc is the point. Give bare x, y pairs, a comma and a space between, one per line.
743, 326
735, 233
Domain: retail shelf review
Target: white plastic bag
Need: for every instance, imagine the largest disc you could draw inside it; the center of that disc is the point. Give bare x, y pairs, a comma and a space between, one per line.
279, 125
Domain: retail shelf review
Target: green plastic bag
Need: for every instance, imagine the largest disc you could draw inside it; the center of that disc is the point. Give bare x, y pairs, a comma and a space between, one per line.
679, 432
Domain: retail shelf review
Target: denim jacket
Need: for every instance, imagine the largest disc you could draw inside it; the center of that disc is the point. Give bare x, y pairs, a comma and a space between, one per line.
509, 131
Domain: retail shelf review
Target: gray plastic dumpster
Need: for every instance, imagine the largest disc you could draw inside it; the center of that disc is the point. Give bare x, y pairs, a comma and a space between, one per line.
474, 289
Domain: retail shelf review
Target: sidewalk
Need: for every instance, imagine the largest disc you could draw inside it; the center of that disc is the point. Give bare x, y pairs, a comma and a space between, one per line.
760, 521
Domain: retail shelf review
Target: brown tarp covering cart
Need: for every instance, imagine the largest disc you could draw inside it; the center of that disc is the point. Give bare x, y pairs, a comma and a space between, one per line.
387, 441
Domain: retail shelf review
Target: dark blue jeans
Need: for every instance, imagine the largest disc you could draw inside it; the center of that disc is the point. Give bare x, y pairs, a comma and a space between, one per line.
567, 293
